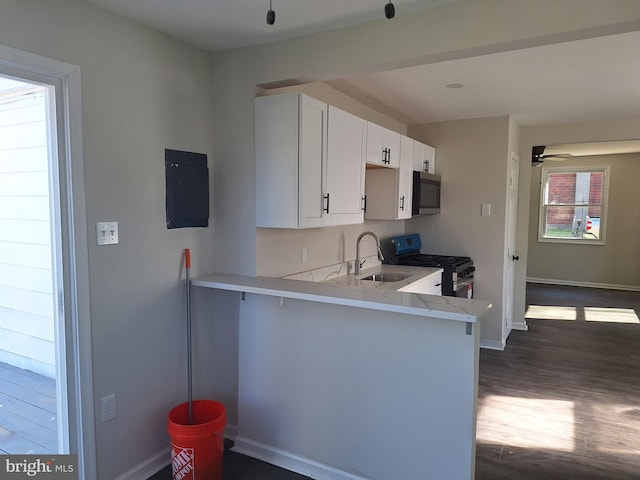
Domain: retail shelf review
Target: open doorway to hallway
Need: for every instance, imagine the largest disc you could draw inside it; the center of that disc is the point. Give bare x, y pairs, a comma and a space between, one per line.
32, 418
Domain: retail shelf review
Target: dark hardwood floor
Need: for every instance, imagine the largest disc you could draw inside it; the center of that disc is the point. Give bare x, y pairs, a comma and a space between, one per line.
562, 402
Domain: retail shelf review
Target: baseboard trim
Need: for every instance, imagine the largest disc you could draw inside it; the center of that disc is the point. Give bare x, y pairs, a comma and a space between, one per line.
521, 326
290, 461
149, 467
571, 283
492, 344
160, 460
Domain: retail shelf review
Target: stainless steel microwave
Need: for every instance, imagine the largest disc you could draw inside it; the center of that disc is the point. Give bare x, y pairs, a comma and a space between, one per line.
426, 194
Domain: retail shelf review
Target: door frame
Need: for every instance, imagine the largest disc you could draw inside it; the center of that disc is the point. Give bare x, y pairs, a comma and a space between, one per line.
75, 301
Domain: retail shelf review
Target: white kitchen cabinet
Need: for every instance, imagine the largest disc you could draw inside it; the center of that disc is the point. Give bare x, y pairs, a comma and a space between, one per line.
430, 284
389, 191
309, 163
290, 153
424, 158
383, 146
345, 167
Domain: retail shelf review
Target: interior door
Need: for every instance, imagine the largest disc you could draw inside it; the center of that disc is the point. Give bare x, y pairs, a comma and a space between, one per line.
512, 256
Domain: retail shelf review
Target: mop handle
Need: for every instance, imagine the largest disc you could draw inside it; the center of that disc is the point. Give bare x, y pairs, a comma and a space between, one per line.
187, 261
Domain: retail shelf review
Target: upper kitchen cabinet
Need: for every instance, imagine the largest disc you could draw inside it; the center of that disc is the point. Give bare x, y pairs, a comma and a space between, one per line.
345, 168
291, 159
383, 146
309, 163
389, 191
424, 158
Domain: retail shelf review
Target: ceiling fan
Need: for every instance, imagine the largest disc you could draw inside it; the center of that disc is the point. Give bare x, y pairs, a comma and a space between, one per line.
538, 156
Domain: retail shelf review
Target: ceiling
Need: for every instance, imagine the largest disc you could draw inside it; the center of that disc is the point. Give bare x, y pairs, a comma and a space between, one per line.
222, 24
594, 148
572, 82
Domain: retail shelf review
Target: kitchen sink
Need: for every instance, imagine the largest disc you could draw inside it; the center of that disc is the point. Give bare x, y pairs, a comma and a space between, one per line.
385, 277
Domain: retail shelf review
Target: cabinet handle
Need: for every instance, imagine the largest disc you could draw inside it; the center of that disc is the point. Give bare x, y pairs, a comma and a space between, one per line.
364, 203
326, 209
426, 165
437, 284
402, 202
516, 258
385, 155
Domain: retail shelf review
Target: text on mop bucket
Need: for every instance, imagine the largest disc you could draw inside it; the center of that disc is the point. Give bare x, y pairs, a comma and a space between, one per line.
182, 463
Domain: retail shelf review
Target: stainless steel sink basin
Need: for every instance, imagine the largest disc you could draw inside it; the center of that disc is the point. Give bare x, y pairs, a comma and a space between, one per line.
385, 277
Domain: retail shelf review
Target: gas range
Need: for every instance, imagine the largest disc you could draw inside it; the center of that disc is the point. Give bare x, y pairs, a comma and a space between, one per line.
457, 276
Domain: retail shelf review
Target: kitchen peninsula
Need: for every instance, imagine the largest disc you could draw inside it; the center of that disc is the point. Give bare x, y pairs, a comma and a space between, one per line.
349, 383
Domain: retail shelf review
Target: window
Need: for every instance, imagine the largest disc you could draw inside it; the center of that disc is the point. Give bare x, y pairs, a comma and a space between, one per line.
573, 205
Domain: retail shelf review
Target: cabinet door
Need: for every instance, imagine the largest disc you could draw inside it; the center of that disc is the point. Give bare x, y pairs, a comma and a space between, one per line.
312, 157
383, 146
424, 158
345, 167
405, 178
391, 141
419, 286
276, 157
435, 283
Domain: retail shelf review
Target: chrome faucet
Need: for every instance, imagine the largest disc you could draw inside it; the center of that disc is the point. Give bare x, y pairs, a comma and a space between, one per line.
380, 256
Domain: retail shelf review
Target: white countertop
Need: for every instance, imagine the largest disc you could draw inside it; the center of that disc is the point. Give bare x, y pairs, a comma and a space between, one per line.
374, 295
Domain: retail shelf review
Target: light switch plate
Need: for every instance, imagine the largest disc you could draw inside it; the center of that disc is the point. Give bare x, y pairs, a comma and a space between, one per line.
486, 209
107, 233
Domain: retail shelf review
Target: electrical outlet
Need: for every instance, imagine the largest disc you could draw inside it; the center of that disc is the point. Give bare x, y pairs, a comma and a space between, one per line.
108, 407
107, 233
304, 254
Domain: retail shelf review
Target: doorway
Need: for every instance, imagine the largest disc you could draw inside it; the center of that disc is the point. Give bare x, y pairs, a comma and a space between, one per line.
32, 421
63, 234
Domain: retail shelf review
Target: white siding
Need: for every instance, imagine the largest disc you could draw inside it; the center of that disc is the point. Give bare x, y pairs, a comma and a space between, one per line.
26, 297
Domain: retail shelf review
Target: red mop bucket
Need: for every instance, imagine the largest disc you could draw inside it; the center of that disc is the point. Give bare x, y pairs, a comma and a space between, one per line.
197, 446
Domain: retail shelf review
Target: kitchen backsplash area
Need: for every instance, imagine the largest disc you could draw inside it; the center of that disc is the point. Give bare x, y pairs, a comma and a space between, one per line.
285, 252
333, 271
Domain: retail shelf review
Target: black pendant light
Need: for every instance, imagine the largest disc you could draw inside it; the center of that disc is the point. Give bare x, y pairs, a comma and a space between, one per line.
271, 15
389, 10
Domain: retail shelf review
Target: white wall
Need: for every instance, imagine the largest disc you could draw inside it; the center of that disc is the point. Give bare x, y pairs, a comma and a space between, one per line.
142, 92
472, 158
26, 298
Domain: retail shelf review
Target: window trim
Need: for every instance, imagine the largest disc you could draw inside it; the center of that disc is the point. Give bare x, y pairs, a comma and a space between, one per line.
606, 169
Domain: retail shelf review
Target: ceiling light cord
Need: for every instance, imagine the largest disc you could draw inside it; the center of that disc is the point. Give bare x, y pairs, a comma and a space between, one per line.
389, 10
271, 15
